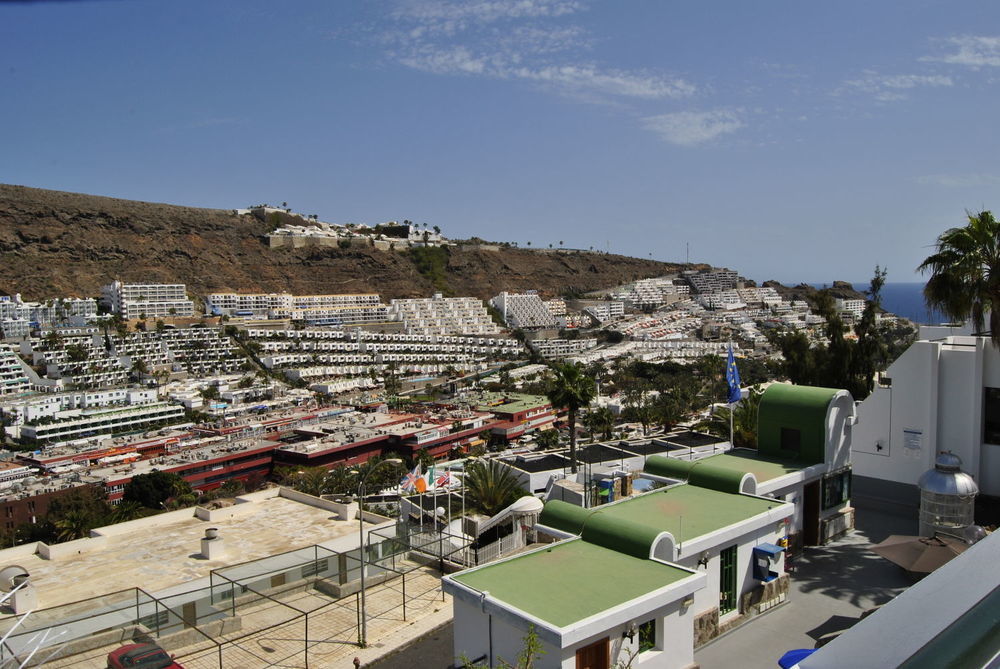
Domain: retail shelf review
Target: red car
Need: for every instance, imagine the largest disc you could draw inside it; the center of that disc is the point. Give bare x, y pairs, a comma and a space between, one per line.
143, 656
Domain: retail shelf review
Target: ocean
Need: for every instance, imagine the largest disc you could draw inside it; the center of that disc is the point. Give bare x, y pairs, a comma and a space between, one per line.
903, 299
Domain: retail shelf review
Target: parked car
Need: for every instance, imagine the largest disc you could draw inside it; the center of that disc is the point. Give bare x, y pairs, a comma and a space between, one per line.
141, 656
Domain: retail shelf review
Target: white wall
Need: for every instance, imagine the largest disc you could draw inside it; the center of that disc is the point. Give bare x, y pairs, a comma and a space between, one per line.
937, 391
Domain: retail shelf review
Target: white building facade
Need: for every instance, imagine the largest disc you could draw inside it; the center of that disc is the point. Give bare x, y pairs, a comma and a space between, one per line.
941, 394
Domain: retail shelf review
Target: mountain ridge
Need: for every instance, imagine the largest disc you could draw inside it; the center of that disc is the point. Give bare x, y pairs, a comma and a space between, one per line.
57, 243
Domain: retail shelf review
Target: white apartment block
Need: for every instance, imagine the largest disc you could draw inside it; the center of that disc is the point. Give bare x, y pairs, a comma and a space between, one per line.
854, 307
605, 311
30, 410
524, 310
556, 306
19, 318
13, 379
285, 305
105, 420
724, 299
558, 348
712, 281
154, 300
443, 315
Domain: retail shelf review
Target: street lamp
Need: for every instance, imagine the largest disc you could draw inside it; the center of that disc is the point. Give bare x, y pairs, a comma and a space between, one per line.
363, 632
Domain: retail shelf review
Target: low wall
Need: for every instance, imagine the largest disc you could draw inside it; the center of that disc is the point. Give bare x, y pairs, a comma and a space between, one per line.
77, 547
159, 520
10, 555
120, 636
225, 513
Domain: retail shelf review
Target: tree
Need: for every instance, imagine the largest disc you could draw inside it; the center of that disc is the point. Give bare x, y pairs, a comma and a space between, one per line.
603, 421
965, 273
76, 352
152, 490
548, 439
744, 421
571, 388
491, 487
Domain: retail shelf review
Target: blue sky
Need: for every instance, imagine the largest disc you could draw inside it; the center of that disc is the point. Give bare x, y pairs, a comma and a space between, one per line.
789, 140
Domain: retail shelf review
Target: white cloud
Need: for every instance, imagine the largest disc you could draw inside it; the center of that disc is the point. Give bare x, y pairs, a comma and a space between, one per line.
959, 180
452, 17
891, 87
693, 128
971, 51
525, 40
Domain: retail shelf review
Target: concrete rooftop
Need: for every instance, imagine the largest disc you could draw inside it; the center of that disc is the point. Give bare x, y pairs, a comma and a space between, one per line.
155, 557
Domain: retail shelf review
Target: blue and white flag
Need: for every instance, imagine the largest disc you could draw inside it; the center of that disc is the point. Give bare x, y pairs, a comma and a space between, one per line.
732, 378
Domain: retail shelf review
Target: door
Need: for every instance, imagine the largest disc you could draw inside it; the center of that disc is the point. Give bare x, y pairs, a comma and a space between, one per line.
810, 514
595, 656
727, 580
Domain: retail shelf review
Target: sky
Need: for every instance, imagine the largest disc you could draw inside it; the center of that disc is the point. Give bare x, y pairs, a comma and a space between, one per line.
786, 140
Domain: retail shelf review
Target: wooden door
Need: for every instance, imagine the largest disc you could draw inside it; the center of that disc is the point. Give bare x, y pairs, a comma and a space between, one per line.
595, 656
810, 514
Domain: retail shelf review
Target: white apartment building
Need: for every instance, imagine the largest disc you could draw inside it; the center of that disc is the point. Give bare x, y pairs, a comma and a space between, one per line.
154, 300
106, 420
558, 348
524, 310
712, 281
556, 306
32, 409
19, 318
942, 393
605, 311
724, 299
443, 315
854, 307
284, 305
13, 378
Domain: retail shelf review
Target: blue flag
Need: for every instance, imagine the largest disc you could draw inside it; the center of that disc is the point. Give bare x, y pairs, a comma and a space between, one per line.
732, 378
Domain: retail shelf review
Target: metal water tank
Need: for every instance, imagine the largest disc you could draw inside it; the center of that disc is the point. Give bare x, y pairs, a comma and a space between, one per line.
947, 497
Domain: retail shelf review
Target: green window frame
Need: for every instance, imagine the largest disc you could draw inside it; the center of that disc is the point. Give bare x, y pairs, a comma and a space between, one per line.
836, 489
727, 580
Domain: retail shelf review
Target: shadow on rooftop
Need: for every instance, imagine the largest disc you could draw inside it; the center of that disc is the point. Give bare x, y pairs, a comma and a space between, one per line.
846, 570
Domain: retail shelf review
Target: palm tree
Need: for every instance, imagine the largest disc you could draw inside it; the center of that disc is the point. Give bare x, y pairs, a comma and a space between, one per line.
491, 487
744, 421
126, 510
571, 388
76, 524
965, 273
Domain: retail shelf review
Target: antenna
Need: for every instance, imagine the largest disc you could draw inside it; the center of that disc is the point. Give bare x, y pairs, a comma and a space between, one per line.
687, 253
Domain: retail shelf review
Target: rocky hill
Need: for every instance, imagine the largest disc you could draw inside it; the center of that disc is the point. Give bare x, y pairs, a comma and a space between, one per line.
54, 243
805, 292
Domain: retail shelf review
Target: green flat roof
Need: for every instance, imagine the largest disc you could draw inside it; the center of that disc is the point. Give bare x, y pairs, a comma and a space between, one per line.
570, 581
688, 511
518, 402
763, 467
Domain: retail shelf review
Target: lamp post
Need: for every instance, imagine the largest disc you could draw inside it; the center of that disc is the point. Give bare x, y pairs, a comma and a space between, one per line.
363, 632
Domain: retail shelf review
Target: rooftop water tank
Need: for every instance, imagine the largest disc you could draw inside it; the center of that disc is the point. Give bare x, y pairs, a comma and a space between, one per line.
947, 497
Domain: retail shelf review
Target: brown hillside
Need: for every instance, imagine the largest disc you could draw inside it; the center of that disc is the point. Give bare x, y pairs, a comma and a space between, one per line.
54, 243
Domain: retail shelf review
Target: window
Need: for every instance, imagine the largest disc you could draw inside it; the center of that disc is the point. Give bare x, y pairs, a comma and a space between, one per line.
647, 635
836, 489
315, 567
791, 440
991, 415
155, 620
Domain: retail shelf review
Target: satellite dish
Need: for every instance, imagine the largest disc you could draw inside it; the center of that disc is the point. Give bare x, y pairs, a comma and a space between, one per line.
11, 577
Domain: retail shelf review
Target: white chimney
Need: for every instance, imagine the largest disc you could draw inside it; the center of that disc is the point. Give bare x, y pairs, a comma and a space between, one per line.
213, 547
